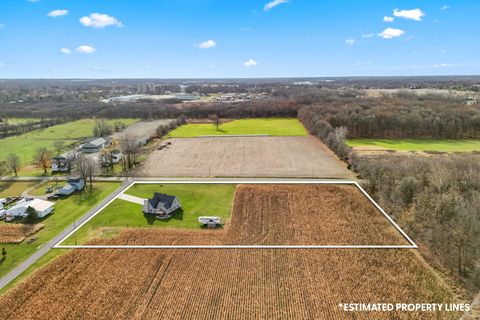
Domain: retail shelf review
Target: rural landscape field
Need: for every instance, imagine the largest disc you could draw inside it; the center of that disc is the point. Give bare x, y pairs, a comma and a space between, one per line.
262, 214
272, 159
304, 214
245, 157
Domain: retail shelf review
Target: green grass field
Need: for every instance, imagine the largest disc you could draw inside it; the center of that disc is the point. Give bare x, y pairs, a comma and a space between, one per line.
196, 199
25, 145
270, 126
8, 188
15, 121
66, 212
438, 145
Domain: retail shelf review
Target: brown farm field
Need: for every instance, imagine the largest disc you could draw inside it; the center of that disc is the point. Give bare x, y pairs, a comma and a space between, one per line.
245, 157
237, 283
17, 232
225, 284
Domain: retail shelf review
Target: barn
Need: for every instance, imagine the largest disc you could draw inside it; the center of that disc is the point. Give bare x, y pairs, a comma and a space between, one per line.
161, 205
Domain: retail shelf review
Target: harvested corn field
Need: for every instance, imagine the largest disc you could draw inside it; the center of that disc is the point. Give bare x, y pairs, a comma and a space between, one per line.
245, 157
241, 283
17, 232
224, 284
310, 214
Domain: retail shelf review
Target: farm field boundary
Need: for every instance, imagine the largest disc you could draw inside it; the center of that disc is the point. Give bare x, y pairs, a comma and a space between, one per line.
410, 245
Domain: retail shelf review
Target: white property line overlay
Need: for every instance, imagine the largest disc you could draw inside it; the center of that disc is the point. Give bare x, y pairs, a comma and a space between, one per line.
412, 244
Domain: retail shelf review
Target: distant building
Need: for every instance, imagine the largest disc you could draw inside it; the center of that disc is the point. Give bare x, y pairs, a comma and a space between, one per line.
63, 162
94, 145
471, 101
19, 210
162, 205
186, 96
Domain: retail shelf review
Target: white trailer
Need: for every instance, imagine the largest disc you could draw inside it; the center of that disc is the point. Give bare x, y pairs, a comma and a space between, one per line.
205, 221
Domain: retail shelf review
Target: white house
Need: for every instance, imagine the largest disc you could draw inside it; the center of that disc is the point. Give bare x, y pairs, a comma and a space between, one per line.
62, 163
19, 210
162, 205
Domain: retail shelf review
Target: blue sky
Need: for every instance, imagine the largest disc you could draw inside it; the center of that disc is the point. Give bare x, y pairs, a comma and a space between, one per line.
227, 39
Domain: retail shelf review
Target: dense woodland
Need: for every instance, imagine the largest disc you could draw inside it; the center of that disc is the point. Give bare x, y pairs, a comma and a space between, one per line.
436, 200
410, 117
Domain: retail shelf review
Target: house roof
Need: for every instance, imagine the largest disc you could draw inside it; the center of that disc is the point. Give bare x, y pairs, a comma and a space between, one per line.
163, 199
74, 179
67, 187
37, 204
95, 143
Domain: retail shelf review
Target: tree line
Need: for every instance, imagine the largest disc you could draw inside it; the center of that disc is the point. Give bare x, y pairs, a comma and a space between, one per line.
11, 129
412, 117
436, 200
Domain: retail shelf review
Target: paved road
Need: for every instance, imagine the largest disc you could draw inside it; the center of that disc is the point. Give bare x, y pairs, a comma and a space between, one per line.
47, 246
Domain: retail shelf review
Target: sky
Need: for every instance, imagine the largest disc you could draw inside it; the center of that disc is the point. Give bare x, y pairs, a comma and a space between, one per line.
237, 39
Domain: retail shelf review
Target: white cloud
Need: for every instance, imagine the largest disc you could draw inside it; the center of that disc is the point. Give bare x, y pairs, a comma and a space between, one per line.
350, 41
413, 14
388, 19
250, 63
368, 35
273, 4
57, 13
391, 33
443, 65
65, 51
85, 49
207, 44
98, 20
445, 7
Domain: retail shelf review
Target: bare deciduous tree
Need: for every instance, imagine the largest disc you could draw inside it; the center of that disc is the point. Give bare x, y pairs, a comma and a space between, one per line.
217, 122
13, 163
86, 168
59, 145
130, 149
102, 128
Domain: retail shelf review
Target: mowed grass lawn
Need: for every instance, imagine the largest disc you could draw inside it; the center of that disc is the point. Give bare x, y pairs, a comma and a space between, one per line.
25, 145
12, 189
438, 145
270, 126
67, 211
196, 199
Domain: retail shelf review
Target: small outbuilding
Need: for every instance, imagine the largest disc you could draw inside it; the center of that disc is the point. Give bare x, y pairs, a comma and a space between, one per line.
162, 205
